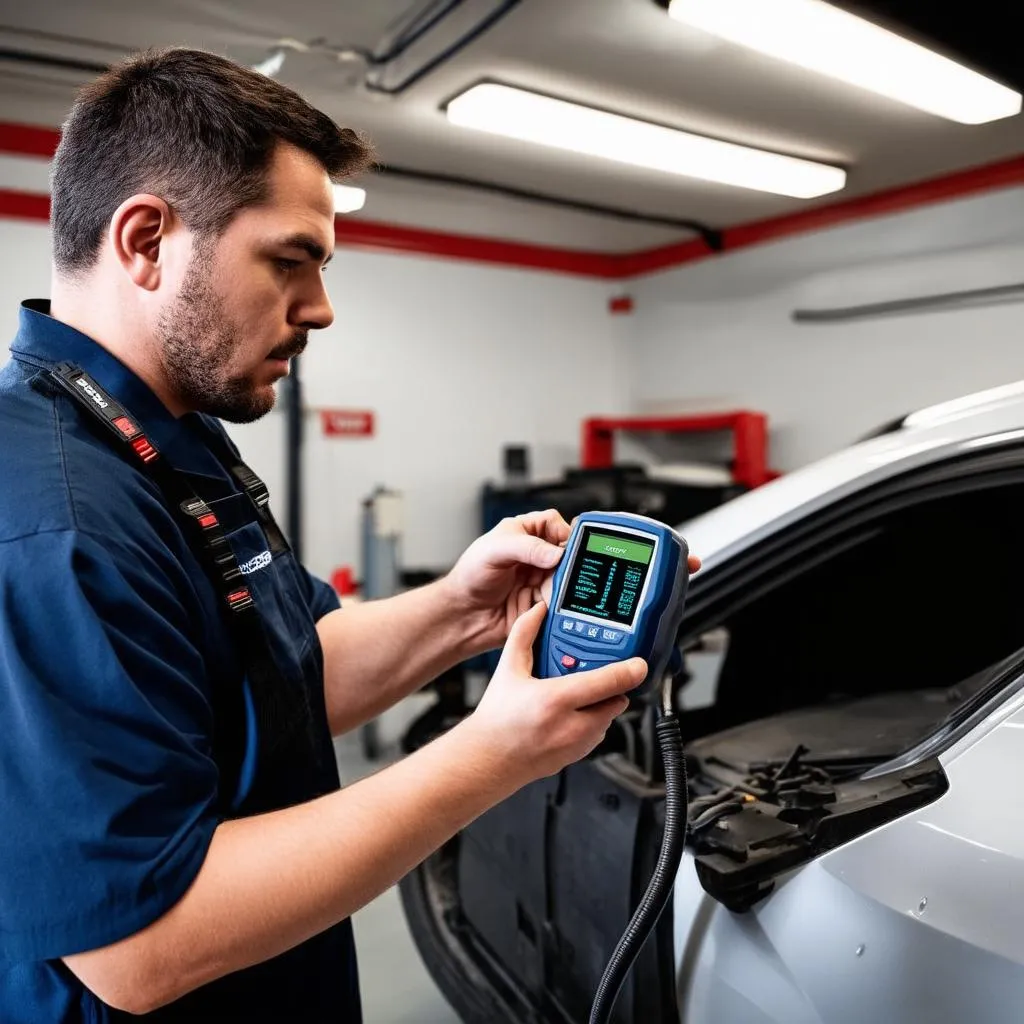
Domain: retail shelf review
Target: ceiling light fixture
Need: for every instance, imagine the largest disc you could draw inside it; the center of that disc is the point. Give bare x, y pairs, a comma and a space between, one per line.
272, 64
822, 38
348, 199
529, 117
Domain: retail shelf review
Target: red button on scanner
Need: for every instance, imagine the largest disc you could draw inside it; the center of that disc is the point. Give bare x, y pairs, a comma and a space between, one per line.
568, 661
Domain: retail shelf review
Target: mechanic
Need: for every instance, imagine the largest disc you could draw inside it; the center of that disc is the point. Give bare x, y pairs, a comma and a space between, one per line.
147, 865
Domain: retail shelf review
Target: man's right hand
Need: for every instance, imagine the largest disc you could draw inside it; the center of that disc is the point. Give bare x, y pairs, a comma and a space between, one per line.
541, 725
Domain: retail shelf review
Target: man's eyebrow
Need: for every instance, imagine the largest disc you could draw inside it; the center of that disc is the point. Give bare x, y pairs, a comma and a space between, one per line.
310, 245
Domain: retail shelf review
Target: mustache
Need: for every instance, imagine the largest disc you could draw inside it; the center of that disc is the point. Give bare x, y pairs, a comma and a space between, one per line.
295, 346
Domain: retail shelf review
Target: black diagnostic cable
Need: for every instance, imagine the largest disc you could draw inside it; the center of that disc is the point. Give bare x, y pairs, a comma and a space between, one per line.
659, 889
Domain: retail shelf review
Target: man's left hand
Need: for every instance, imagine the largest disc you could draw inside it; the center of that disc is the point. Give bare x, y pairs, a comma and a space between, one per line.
501, 574
507, 571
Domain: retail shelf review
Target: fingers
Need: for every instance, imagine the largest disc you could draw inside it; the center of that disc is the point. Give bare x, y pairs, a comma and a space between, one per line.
600, 684
607, 709
524, 548
535, 539
518, 653
548, 524
524, 600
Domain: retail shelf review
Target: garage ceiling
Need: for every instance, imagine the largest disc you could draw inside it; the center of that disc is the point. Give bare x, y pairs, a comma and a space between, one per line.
623, 55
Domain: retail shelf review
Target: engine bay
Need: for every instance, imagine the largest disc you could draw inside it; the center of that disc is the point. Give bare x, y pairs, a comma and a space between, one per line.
769, 795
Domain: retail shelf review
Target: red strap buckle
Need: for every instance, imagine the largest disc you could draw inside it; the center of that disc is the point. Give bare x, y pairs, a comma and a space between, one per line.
126, 426
144, 449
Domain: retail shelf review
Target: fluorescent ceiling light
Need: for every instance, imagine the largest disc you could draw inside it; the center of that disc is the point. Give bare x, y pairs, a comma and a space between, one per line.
271, 65
822, 38
348, 199
503, 110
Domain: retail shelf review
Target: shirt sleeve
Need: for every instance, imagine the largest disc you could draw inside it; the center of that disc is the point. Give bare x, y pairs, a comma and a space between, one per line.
107, 782
322, 597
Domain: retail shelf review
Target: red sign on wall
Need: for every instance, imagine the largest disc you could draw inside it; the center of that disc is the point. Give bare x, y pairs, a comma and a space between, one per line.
347, 422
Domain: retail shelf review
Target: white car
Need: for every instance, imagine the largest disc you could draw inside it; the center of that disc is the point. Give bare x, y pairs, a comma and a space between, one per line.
853, 712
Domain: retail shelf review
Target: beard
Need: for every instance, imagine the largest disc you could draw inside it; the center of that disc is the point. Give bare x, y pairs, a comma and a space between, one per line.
198, 343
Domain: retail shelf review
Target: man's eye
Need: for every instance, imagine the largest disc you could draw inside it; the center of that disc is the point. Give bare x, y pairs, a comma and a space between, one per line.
283, 264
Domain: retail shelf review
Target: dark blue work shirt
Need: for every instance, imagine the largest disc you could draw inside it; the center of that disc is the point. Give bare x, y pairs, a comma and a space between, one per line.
111, 642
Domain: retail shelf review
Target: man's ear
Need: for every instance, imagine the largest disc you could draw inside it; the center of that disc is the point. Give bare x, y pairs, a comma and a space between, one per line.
137, 229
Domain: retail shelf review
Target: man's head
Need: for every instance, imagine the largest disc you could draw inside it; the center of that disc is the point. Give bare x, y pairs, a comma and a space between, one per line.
199, 193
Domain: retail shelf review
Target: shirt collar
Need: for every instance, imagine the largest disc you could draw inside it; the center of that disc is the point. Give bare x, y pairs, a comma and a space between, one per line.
41, 339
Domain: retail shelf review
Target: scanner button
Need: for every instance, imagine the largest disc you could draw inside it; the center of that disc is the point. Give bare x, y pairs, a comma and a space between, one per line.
567, 625
568, 661
611, 635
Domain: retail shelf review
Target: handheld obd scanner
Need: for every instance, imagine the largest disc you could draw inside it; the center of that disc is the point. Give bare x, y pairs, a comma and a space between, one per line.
618, 593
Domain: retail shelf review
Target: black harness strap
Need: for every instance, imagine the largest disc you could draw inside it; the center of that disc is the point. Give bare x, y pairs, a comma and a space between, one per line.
254, 487
283, 715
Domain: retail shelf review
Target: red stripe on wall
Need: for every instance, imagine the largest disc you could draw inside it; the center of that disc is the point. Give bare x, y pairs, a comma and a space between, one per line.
24, 205
28, 140
1005, 174
373, 235
633, 264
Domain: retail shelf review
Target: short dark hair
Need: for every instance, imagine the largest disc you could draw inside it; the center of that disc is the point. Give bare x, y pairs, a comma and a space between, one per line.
192, 127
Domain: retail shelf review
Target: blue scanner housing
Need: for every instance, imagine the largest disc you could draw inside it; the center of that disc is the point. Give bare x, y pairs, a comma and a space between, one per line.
618, 593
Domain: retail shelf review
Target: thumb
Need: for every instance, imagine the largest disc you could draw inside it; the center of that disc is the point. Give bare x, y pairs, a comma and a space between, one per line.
518, 653
525, 549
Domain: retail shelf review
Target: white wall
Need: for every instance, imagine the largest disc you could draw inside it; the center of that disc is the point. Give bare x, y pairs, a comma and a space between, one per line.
25, 263
456, 360
720, 333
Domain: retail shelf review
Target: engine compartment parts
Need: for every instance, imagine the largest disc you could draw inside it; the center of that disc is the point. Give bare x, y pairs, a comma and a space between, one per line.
770, 795
743, 843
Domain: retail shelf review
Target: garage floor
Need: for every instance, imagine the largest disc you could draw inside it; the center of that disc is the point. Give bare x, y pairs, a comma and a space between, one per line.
395, 985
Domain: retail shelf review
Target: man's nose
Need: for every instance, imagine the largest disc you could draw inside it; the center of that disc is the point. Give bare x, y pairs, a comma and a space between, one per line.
316, 311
